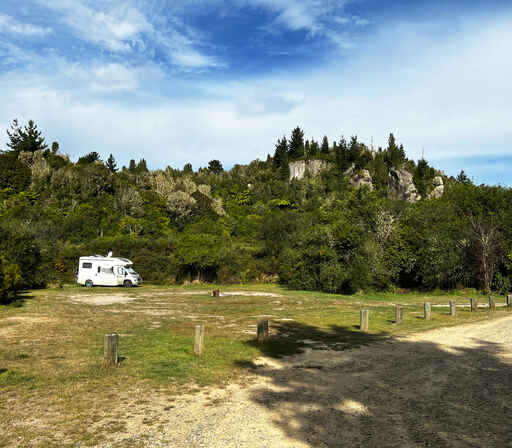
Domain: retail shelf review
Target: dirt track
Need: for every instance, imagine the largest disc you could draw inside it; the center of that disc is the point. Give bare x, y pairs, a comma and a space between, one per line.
445, 388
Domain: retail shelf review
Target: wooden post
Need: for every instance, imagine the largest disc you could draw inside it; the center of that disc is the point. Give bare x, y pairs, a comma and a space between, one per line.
399, 314
509, 301
365, 320
216, 293
428, 311
199, 339
453, 309
110, 348
473, 304
262, 330
492, 303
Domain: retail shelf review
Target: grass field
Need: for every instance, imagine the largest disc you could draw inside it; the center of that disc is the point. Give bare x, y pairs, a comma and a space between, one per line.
55, 387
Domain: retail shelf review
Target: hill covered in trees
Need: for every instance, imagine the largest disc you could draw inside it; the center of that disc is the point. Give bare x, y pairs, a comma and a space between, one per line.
331, 216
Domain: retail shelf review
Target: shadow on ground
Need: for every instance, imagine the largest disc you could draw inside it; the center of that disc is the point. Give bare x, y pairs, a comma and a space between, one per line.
387, 392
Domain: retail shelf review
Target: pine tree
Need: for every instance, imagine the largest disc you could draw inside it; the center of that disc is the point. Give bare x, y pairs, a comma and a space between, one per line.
307, 150
296, 147
132, 167
314, 148
111, 164
215, 167
89, 158
55, 147
395, 155
25, 139
341, 155
325, 145
281, 153
354, 150
142, 167
187, 168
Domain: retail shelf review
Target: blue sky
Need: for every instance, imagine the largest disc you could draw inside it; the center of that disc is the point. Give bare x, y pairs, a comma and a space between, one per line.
188, 81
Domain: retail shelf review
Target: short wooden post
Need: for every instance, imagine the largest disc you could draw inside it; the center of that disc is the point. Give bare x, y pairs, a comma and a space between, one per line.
492, 303
399, 314
216, 293
428, 311
262, 330
453, 308
473, 304
509, 301
110, 348
199, 339
365, 320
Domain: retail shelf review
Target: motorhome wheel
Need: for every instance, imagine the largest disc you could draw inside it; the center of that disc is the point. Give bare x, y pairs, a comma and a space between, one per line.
88, 283
127, 284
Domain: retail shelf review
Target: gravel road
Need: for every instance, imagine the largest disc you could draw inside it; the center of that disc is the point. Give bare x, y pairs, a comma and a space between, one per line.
449, 387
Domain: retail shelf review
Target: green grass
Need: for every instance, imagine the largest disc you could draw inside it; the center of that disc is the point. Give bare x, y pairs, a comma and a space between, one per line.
51, 347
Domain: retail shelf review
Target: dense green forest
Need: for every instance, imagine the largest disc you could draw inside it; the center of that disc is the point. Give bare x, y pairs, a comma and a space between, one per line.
353, 219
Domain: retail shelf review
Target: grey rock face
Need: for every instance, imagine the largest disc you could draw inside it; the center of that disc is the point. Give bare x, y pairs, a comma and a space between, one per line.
359, 178
299, 167
438, 190
402, 186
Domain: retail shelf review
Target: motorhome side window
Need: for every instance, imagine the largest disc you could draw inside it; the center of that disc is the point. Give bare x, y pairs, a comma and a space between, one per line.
87, 265
120, 271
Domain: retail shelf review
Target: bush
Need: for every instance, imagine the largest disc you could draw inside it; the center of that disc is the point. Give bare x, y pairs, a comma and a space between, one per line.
10, 281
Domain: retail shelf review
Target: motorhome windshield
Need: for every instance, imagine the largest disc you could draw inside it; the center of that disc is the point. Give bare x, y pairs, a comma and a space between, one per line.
130, 270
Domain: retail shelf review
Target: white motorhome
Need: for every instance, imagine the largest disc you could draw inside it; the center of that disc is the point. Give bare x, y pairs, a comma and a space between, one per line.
98, 270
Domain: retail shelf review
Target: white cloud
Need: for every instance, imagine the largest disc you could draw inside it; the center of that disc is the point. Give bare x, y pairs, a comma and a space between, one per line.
447, 93
182, 52
9, 25
116, 28
121, 27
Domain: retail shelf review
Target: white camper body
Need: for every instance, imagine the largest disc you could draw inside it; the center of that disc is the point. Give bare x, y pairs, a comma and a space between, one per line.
98, 270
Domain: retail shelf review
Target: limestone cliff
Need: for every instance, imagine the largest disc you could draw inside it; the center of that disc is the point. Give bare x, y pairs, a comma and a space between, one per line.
299, 167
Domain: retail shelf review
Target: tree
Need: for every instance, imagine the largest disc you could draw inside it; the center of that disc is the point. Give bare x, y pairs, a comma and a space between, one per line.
340, 154
111, 164
296, 146
307, 150
55, 147
142, 166
354, 150
14, 174
27, 139
215, 167
132, 167
463, 178
486, 247
314, 148
187, 168
422, 178
395, 155
281, 153
92, 157
324, 148
10, 280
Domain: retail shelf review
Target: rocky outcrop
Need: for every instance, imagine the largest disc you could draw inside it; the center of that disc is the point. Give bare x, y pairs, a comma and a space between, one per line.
402, 185
438, 190
359, 178
299, 167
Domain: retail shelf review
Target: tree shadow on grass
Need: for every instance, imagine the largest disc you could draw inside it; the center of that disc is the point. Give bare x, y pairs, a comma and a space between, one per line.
402, 393
17, 301
294, 337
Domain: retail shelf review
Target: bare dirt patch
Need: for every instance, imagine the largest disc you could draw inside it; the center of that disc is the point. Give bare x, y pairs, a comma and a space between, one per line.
15, 325
103, 299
